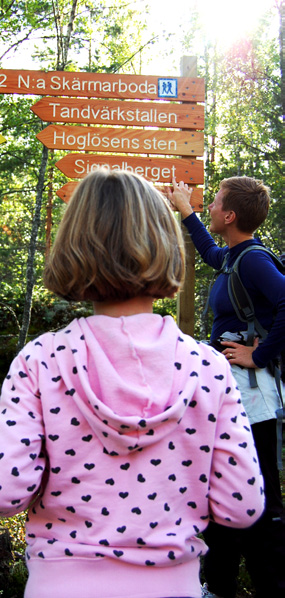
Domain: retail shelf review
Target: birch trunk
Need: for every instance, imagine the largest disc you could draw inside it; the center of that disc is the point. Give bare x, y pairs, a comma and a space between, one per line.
30, 272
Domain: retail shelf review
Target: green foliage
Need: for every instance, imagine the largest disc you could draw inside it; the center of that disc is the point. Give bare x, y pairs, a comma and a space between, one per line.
48, 313
19, 20
16, 527
102, 36
116, 48
243, 129
72, 35
16, 581
13, 571
165, 307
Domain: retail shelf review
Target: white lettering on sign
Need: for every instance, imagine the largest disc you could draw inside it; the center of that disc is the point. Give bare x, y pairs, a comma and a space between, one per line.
113, 114
75, 84
153, 172
64, 84
105, 143
3, 79
25, 82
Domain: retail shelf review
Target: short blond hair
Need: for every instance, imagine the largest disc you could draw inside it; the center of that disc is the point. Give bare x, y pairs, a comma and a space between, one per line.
249, 198
118, 239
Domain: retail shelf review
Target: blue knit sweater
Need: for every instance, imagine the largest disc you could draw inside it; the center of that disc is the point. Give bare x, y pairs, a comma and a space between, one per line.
263, 281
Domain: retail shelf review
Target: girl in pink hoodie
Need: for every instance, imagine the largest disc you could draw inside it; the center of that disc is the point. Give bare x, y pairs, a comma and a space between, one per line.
119, 434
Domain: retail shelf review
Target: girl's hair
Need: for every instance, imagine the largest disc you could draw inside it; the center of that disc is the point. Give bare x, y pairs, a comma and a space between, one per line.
118, 239
248, 198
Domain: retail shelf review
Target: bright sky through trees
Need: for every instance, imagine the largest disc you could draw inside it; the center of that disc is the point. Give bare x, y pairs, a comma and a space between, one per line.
222, 21
226, 20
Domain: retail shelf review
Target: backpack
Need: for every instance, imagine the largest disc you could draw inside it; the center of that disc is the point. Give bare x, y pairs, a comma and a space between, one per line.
244, 310
241, 300
239, 296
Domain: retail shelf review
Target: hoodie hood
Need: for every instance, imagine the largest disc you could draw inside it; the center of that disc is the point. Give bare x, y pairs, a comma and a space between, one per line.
114, 367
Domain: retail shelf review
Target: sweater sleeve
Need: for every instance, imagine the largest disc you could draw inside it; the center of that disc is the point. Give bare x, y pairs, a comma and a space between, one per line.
21, 438
236, 494
267, 288
204, 243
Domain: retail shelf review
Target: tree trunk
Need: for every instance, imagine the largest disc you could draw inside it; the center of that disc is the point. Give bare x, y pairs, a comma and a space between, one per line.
49, 209
63, 45
281, 9
30, 277
66, 43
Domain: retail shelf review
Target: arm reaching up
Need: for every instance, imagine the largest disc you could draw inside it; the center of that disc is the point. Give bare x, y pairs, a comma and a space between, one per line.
179, 198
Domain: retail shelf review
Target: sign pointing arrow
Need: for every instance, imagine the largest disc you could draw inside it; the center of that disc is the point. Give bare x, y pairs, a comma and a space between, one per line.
123, 140
66, 191
98, 85
162, 114
155, 169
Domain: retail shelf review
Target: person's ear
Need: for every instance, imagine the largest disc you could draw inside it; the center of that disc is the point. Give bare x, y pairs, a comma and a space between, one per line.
230, 217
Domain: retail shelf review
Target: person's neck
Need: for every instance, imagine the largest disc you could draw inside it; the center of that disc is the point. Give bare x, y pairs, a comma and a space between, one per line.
130, 307
234, 237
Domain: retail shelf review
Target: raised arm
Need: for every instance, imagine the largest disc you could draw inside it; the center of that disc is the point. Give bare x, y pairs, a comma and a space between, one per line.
180, 198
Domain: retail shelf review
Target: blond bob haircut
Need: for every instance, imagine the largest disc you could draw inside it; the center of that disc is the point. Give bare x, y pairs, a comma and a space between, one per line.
118, 239
248, 198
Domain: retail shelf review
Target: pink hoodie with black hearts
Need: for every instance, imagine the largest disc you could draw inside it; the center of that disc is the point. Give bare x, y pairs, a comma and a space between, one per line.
122, 437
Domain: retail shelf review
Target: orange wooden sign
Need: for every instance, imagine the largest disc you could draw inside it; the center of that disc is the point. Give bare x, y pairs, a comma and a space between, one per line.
101, 85
162, 114
118, 140
66, 191
154, 169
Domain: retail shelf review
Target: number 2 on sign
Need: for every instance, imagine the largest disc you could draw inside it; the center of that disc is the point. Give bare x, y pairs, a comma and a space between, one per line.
3, 78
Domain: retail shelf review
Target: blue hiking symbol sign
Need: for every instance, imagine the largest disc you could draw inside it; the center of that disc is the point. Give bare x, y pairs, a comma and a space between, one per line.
167, 88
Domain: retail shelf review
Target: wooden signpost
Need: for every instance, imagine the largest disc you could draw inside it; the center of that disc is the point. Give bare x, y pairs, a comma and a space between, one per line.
149, 125
138, 120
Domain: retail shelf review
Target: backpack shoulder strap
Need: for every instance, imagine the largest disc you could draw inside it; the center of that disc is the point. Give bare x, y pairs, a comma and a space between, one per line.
240, 298
277, 261
223, 268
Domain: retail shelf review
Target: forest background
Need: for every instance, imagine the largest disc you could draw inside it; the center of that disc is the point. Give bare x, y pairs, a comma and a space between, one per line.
243, 136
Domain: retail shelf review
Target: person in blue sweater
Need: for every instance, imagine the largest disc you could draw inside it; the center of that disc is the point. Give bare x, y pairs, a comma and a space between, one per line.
239, 208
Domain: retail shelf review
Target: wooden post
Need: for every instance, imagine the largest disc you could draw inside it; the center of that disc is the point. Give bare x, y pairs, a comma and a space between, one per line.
185, 299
